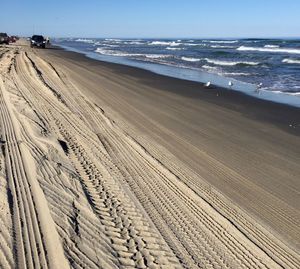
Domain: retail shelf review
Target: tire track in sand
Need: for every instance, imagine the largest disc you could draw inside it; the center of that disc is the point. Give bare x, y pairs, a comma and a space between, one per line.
36, 241
133, 238
203, 246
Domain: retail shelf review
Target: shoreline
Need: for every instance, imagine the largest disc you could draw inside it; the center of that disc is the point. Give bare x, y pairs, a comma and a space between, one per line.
194, 75
285, 115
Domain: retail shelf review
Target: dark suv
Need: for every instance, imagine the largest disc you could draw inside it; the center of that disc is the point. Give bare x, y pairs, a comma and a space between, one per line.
4, 39
38, 41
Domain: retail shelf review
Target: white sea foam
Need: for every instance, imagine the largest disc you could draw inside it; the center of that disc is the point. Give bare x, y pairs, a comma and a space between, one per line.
271, 46
209, 67
228, 63
222, 41
113, 39
105, 51
222, 47
235, 74
112, 46
134, 43
171, 48
156, 56
164, 43
90, 41
159, 43
275, 50
193, 44
188, 59
291, 61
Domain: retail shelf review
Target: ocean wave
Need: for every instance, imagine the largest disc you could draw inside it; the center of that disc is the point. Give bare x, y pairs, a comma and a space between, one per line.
188, 59
209, 67
291, 61
227, 63
285, 92
156, 56
235, 74
171, 48
105, 51
222, 47
109, 52
221, 41
193, 44
113, 39
293, 93
134, 43
164, 43
90, 41
271, 46
112, 46
275, 50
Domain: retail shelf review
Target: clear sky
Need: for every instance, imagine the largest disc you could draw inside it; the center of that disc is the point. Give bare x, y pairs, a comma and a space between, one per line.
151, 18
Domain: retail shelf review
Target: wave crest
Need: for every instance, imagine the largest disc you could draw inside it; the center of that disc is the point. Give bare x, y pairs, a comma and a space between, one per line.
222, 47
291, 61
109, 52
222, 41
164, 43
275, 50
189, 59
271, 46
90, 41
171, 48
227, 63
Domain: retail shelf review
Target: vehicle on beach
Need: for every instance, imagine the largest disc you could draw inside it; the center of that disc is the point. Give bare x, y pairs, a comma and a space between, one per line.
4, 39
38, 41
13, 39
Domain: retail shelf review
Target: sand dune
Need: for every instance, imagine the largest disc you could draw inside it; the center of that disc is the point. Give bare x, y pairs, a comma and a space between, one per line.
81, 188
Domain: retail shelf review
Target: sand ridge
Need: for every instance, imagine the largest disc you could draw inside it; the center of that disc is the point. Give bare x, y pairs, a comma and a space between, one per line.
84, 188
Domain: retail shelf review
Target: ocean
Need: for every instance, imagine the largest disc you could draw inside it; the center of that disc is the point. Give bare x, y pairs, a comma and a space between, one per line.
264, 68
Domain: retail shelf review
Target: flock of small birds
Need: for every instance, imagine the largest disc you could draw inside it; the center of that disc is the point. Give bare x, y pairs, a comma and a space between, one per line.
230, 84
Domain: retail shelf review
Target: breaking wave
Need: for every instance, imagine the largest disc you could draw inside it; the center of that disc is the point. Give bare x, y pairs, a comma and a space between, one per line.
271, 46
104, 51
222, 41
291, 61
235, 74
275, 50
90, 41
209, 67
171, 48
189, 59
222, 47
164, 43
228, 63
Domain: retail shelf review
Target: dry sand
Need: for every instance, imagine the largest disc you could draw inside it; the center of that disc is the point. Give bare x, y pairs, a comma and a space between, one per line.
106, 166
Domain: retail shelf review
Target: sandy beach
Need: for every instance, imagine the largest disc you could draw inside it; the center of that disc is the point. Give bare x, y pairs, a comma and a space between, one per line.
110, 166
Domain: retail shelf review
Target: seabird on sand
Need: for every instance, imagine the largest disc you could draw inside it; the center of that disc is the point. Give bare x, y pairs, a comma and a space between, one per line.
207, 84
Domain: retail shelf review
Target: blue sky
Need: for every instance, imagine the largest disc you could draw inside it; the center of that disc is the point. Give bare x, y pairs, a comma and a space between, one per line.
152, 18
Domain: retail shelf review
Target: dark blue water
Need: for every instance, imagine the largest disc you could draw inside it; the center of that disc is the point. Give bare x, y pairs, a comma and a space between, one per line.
273, 64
